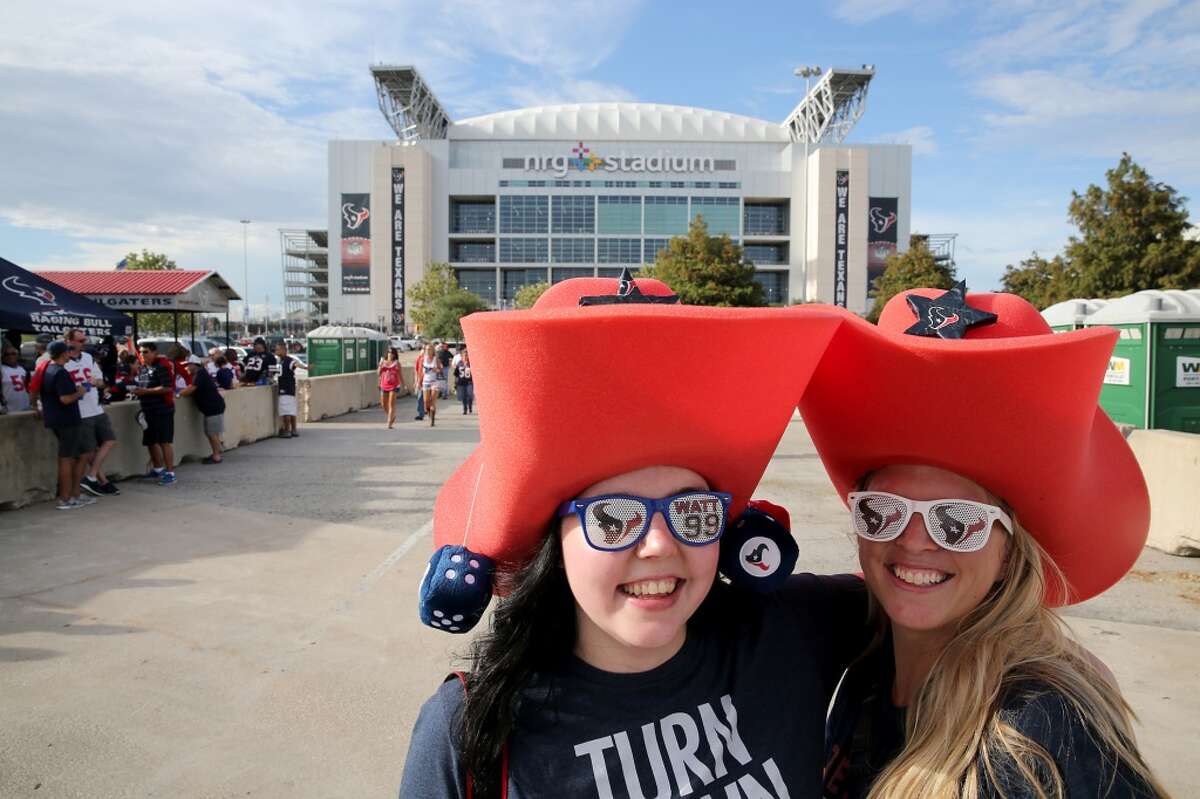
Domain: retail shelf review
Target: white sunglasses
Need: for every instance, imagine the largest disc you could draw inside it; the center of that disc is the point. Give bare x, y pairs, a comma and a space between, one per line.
958, 525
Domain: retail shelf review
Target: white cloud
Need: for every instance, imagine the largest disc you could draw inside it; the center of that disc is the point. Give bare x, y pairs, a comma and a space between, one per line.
988, 240
123, 127
1109, 78
860, 11
920, 138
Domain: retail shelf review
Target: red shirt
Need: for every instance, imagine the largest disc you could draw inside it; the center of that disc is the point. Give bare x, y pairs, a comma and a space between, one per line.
35, 382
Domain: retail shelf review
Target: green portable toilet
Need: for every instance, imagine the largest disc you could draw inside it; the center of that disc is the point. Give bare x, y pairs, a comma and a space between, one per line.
325, 351
1070, 314
1153, 379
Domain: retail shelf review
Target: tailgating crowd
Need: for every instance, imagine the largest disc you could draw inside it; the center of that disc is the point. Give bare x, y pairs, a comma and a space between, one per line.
69, 388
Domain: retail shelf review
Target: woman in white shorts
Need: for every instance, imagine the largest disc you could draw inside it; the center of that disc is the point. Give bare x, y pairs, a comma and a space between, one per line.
431, 376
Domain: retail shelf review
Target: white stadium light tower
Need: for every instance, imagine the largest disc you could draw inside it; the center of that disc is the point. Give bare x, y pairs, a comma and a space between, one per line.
408, 103
832, 107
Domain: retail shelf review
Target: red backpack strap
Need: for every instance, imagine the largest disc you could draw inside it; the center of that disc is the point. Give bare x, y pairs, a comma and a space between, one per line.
462, 678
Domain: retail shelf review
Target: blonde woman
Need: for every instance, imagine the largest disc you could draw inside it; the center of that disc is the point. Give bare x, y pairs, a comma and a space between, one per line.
431, 374
994, 490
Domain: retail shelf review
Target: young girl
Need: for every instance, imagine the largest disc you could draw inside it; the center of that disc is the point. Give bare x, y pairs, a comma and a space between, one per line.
431, 374
389, 384
607, 496
984, 486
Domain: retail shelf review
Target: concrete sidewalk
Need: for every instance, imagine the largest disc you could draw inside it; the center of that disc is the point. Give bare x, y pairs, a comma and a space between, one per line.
251, 631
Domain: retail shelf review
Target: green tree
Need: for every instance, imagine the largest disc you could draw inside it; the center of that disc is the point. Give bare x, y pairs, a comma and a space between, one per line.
1131, 236
438, 302
1043, 282
706, 270
448, 311
916, 268
152, 261
528, 294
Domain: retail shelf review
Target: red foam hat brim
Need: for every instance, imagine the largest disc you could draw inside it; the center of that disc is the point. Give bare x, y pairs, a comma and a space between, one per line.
569, 396
1018, 415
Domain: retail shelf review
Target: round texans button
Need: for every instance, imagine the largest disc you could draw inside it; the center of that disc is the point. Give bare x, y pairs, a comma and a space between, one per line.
759, 556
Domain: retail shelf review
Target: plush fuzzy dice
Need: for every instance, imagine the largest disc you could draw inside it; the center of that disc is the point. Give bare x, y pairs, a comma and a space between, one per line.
758, 551
456, 589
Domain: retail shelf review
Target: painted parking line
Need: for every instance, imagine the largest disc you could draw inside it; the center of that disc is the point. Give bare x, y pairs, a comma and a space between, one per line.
420, 533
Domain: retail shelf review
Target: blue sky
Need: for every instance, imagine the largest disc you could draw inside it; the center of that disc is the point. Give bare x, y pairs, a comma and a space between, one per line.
131, 126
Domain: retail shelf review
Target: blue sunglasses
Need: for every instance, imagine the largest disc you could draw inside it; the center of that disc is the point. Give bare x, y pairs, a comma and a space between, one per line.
613, 522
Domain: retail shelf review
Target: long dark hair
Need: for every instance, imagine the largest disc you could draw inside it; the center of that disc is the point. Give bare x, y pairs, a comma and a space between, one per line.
532, 630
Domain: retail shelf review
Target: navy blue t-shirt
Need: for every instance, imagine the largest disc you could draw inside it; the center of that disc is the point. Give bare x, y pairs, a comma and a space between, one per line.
57, 382
208, 400
738, 711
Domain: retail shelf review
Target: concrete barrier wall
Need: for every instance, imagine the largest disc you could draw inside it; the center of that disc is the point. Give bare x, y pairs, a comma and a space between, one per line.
320, 398
1171, 463
28, 451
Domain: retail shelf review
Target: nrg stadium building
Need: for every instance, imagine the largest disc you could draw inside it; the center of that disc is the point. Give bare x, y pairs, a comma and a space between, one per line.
549, 193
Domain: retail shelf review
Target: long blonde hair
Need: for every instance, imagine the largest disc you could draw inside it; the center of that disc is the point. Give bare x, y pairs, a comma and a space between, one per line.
956, 737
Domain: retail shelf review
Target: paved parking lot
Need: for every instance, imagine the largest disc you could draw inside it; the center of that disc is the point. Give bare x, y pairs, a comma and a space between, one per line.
251, 631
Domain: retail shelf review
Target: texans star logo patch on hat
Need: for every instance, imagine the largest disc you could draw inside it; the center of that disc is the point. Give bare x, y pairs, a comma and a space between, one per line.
947, 316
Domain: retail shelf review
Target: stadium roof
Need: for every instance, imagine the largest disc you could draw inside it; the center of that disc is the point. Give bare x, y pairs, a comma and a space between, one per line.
619, 121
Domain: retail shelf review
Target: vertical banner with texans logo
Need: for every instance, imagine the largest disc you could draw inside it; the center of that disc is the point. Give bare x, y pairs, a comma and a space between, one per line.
881, 244
397, 250
841, 238
356, 244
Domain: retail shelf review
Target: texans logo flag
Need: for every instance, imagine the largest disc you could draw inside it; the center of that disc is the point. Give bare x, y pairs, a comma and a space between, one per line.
32, 304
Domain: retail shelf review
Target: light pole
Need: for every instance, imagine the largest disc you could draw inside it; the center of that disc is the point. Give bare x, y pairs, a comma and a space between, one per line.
807, 72
245, 279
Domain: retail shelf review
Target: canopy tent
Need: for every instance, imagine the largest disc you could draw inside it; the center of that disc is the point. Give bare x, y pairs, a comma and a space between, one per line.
31, 304
171, 291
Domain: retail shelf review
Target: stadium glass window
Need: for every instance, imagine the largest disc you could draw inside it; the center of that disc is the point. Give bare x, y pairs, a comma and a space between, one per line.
765, 220
702, 184
524, 251
774, 286
760, 254
678, 184
473, 252
666, 215
619, 215
573, 214
524, 213
514, 279
619, 251
608, 271
573, 251
472, 217
726, 184
721, 214
480, 282
650, 248
560, 273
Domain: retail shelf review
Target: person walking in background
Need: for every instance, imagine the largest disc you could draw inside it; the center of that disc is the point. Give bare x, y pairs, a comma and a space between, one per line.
464, 383
155, 390
14, 382
431, 376
287, 366
97, 428
419, 384
60, 397
211, 405
389, 384
444, 357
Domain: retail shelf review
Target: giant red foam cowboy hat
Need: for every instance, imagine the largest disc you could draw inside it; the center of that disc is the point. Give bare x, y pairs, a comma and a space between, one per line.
571, 394
1010, 405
